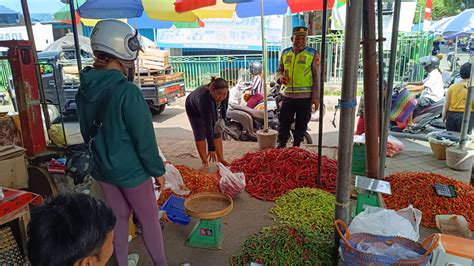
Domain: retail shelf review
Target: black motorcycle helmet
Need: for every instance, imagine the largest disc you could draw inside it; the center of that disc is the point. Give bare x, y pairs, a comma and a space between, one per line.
256, 68
429, 63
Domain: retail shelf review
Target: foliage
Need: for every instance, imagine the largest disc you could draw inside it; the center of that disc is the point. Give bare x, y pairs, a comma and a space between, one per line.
442, 8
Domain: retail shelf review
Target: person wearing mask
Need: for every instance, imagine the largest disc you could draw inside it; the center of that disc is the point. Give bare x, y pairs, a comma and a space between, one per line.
125, 148
255, 91
71, 230
299, 71
456, 102
206, 108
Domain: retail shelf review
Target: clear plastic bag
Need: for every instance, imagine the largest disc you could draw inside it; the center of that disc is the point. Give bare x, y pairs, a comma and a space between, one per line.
385, 222
382, 249
394, 146
231, 183
174, 180
455, 225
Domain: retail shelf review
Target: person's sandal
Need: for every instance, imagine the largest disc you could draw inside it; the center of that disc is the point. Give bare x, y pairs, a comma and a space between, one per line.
133, 259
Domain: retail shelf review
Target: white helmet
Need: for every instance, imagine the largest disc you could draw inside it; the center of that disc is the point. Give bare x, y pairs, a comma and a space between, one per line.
115, 38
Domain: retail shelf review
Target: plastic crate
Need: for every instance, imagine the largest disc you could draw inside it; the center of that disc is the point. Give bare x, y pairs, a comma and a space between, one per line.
175, 211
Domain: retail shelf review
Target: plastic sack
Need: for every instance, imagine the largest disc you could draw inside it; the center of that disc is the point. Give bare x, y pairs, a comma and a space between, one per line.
174, 180
385, 222
455, 225
394, 146
381, 248
56, 135
230, 184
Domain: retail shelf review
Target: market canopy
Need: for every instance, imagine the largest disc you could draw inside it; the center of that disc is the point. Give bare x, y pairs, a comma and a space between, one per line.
463, 22
192, 10
40, 10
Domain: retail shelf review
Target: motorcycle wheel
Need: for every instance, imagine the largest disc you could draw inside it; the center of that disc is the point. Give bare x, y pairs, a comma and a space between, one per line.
236, 130
307, 138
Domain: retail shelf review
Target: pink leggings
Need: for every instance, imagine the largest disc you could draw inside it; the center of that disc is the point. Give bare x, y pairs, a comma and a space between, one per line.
141, 200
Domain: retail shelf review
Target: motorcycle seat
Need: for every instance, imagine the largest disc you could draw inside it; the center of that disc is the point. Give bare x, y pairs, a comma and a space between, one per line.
256, 114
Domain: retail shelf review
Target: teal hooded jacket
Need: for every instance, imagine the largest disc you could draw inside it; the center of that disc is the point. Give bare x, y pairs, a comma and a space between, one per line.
125, 148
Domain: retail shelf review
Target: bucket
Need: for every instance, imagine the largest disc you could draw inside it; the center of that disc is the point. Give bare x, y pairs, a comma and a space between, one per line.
439, 150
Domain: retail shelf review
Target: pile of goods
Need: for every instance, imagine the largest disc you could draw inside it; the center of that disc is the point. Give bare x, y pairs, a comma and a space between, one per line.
306, 207
271, 173
416, 188
196, 181
286, 245
304, 233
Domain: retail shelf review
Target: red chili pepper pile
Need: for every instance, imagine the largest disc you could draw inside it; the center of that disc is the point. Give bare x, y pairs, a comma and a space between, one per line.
271, 173
195, 180
416, 188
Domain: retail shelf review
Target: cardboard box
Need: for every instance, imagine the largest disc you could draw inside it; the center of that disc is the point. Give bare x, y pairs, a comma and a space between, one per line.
13, 173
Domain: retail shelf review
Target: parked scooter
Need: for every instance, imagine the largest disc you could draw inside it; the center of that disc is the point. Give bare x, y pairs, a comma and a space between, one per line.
243, 122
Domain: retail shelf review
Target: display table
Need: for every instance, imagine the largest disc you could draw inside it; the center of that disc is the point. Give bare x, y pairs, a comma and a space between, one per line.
15, 205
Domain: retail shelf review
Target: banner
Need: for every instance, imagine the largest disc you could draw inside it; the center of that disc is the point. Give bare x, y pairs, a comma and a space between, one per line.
232, 34
43, 35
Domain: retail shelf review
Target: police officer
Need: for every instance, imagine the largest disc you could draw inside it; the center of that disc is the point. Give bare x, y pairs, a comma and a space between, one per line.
299, 71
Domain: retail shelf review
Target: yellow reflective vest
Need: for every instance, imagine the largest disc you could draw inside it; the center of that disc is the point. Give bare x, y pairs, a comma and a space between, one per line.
299, 67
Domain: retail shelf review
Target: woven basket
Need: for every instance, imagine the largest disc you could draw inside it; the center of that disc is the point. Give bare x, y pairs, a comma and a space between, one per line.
10, 253
355, 257
208, 205
439, 150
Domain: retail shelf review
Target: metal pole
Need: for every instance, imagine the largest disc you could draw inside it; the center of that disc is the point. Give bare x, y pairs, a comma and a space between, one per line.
467, 111
75, 34
347, 115
264, 72
370, 90
31, 37
390, 79
381, 69
321, 90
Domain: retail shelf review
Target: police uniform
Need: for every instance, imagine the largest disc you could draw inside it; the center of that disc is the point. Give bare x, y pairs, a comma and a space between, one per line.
301, 89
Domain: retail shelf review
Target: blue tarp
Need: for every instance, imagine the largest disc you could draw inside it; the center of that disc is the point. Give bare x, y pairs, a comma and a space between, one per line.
111, 9
8, 16
270, 7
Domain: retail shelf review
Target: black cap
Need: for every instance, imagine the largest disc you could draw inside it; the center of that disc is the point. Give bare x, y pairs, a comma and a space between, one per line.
300, 30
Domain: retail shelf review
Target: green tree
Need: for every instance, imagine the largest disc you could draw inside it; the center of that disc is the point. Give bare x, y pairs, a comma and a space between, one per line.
447, 8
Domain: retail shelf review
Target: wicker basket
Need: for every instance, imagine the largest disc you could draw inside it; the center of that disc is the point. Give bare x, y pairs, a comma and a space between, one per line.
208, 205
353, 256
439, 150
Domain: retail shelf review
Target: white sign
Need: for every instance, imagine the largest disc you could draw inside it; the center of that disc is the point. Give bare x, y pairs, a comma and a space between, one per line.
43, 35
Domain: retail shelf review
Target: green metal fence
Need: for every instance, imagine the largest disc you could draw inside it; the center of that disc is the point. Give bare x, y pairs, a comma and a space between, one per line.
198, 70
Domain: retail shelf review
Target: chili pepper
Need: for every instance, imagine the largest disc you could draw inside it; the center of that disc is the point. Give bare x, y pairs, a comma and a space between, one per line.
286, 245
273, 172
416, 188
196, 181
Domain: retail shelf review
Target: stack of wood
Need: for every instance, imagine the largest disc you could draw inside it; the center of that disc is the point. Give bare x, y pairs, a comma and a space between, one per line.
153, 59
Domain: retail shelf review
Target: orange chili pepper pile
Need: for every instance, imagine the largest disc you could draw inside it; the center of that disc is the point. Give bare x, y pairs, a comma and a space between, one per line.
416, 188
271, 173
196, 181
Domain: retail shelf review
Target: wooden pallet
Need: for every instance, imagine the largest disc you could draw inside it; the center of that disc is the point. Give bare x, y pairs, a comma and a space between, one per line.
161, 78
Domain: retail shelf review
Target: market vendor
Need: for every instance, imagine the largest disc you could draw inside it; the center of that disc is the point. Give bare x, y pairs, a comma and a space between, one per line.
206, 108
456, 102
125, 148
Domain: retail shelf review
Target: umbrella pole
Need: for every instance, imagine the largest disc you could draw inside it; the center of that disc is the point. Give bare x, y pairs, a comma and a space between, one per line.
467, 112
31, 37
381, 76
321, 90
264, 72
388, 96
347, 116
75, 35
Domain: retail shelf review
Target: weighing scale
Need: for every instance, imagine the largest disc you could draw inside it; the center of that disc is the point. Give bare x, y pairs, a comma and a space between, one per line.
368, 189
209, 208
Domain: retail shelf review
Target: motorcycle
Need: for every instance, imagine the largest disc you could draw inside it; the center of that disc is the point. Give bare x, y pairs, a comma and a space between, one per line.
428, 119
243, 122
